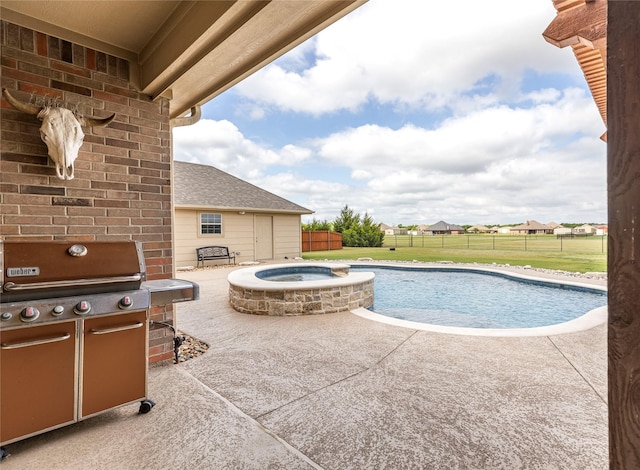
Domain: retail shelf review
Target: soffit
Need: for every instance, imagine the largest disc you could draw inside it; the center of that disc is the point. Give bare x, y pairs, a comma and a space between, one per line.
188, 51
582, 24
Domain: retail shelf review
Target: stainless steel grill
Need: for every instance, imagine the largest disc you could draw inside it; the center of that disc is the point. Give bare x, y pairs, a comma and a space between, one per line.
74, 324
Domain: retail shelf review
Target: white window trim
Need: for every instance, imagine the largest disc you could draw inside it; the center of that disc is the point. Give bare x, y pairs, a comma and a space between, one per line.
200, 224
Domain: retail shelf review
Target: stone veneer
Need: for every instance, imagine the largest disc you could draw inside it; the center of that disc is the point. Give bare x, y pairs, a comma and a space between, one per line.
304, 297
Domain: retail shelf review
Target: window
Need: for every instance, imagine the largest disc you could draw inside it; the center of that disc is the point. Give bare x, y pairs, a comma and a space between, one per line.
210, 224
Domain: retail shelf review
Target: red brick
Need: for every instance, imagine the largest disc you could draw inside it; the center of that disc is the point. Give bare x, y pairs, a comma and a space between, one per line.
108, 188
41, 44
68, 68
90, 59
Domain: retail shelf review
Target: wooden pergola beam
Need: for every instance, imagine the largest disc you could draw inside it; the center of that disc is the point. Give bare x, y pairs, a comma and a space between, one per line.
605, 38
623, 171
582, 24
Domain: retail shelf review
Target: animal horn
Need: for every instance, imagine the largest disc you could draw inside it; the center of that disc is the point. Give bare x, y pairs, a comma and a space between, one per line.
19, 105
93, 122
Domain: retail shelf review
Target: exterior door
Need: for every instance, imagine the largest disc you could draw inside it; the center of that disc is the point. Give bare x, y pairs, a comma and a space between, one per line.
264, 237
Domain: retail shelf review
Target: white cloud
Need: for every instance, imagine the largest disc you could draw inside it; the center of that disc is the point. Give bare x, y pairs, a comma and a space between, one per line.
421, 53
497, 151
222, 145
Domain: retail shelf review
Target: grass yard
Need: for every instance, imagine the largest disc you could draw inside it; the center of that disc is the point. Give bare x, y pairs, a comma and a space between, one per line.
570, 254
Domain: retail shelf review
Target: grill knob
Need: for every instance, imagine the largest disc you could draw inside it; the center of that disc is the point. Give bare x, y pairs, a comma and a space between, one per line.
82, 308
125, 302
57, 310
6, 316
29, 314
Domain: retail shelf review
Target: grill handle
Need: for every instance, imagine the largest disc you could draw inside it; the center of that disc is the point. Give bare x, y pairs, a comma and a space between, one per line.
116, 329
12, 286
36, 342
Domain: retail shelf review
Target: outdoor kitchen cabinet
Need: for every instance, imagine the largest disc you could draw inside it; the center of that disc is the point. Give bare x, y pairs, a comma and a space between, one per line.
38, 384
114, 361
53, 375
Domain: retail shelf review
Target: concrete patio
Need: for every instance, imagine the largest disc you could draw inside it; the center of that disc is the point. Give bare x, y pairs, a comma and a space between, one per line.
342, 392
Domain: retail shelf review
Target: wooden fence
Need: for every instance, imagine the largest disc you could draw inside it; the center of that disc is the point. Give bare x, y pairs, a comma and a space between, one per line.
321, 240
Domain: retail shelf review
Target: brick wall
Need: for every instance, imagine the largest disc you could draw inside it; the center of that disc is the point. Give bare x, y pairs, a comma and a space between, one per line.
122, 184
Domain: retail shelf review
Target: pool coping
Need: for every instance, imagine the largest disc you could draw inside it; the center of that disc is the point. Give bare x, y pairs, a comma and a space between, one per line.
246, 278
590, 319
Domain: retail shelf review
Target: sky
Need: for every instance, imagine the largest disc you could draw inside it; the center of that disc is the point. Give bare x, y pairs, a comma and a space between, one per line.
415, 111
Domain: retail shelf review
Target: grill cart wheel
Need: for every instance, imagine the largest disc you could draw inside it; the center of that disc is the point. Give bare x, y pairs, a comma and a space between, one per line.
145, 406
3, 454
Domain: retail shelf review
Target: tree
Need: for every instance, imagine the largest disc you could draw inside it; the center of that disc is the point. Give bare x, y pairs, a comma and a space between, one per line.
346, 220
365, 234
316, 225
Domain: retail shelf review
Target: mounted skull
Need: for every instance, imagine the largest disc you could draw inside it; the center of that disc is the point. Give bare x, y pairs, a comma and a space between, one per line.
61, 130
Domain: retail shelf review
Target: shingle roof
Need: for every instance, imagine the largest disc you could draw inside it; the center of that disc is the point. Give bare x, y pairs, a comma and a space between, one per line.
205, 186
443, 226
531, 225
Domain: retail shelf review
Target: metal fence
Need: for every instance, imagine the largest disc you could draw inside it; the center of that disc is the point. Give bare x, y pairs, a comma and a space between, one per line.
592, 243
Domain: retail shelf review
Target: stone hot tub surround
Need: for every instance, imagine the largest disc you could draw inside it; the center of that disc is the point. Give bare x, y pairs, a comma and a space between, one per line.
341, 291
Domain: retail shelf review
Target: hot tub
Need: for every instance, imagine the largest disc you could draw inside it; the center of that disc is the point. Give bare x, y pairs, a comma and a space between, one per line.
332, 288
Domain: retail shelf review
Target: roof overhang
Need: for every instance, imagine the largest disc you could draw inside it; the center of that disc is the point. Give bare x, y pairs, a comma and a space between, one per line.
582, 24
187, 51
258, 210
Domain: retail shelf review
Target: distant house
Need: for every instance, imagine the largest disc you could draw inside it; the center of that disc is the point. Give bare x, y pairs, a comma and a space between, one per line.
585, 229
396, 231
561, 230
602, 230
531, 227
384, 227
444, 228
422, 228
478, 229
215, 208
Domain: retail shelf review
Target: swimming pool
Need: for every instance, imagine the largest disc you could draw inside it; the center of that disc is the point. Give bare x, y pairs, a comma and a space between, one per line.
296, 273
477, 299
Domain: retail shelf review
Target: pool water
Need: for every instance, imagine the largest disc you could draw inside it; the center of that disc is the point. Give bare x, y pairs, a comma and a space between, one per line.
295, 274
474, 300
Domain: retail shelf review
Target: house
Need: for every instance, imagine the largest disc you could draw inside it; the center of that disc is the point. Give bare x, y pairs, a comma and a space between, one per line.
396, 231
531, 227
478, 229
602, 230
215, 208
444, 228
384, 227
150, 63
561, 230
585, 229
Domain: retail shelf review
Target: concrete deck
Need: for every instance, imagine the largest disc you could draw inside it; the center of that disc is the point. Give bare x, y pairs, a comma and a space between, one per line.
343, 392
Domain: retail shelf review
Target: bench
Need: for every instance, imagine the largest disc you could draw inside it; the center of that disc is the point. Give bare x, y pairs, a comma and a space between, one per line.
214, 252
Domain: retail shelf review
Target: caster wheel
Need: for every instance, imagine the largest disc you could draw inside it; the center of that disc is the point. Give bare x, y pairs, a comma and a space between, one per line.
3, 454
145, 406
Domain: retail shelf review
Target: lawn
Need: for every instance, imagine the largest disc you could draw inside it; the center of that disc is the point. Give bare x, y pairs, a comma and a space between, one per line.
571, 254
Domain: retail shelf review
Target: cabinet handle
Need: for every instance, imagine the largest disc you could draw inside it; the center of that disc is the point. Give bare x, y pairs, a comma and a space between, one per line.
115, 329
36, 342
12, 286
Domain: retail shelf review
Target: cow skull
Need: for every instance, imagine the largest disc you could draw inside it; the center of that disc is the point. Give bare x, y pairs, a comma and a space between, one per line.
61, 130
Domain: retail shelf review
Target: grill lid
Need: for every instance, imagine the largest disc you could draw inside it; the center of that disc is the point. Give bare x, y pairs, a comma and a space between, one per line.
41, 269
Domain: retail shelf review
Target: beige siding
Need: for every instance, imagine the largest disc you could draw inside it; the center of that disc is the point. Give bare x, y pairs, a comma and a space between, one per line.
238, 233
287, 236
